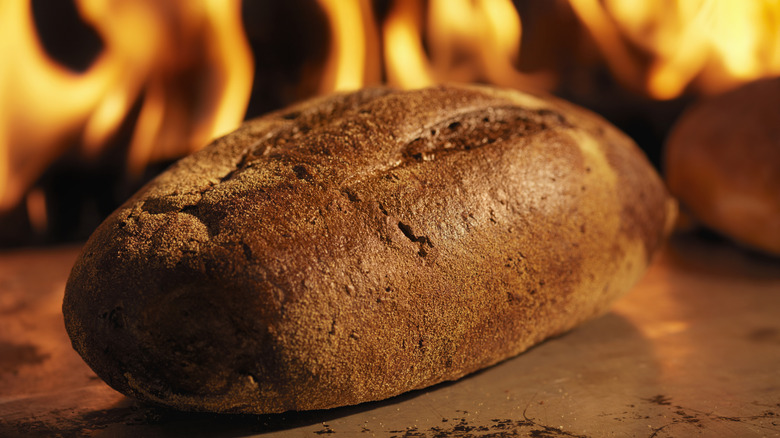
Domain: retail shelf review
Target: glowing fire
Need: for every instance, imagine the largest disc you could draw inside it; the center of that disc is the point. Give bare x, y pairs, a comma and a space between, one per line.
187, 62
657, 48
187, 66
354, 56
469, 42
715, 44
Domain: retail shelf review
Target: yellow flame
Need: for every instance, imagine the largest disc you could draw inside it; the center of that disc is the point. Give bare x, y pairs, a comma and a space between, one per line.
713, 44
353, 61
469, 41
187, 67
407, 66
187, 62
34, 90
228, 44
349, 52
506, 27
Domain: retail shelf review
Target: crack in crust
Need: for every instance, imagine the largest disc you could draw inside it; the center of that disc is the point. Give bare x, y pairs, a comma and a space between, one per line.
423, 241
479, 128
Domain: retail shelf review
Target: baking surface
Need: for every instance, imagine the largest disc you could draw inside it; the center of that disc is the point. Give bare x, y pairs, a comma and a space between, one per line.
693, 350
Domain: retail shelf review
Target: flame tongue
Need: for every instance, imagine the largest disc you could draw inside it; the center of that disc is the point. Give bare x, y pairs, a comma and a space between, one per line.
716, 44
190, 63
187, 62
469, 42
354, 57
34, 91
655, 48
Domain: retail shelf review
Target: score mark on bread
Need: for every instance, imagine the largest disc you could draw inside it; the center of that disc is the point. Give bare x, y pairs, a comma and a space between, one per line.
358, 246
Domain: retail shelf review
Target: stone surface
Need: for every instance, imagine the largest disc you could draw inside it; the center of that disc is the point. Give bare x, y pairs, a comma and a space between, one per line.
693, 350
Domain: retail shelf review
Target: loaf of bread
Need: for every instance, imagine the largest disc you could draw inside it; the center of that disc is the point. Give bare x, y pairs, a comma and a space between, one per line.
357, 246
722, 162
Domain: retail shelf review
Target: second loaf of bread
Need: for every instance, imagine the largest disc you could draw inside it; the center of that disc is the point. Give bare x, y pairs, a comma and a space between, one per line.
361, 245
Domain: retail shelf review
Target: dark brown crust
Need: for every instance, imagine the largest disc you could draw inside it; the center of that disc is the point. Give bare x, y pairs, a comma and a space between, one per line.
358, 246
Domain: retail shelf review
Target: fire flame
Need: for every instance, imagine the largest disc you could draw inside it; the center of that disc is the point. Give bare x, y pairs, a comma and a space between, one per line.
187, 63
469, 42
655, 48
187, 68
354, 58
713, 44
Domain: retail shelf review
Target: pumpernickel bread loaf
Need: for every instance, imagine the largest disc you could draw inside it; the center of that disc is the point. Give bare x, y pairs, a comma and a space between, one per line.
357, 246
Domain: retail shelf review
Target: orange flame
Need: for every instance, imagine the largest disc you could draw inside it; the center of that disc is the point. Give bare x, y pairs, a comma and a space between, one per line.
187, 66
407, 66
713, 44
470, 41
354, 59
658, 48
187, 62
